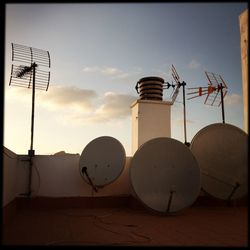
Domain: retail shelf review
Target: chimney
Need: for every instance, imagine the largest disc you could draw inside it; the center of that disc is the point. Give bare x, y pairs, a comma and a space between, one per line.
151, 116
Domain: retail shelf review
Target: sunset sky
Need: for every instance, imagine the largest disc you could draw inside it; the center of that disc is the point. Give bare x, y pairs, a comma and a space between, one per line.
98, 53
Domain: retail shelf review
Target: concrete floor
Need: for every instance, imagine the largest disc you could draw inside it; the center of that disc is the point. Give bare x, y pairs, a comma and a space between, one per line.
194, 226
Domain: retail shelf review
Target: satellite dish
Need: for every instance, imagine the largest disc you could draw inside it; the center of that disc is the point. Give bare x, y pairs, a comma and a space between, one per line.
221, 152
102, 161
164, 175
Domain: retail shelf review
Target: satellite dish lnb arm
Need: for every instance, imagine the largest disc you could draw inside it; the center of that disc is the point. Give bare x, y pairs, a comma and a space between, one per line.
84, 171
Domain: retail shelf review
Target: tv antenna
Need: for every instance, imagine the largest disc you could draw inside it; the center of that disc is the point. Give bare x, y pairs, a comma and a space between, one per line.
216, 84
29, 76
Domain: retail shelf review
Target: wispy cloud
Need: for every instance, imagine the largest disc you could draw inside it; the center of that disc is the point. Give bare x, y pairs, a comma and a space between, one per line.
108, 71
112, 72
113, 106
58, 97
194, 64
233, 99
78, 106
181, 121
91, 69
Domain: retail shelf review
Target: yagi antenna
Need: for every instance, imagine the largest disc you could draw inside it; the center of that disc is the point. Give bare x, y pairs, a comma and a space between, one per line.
214, 92
28, 75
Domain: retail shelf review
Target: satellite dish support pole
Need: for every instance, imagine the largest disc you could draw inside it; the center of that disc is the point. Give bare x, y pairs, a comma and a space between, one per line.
222, 102
184, 112
31, 152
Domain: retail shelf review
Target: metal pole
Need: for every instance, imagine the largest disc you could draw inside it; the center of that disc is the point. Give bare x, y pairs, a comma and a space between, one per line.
184, 112
31, 151
222, 103
33, 108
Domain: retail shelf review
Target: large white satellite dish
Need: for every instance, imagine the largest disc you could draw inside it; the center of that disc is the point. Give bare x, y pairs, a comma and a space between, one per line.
102, 161
222, 154
164, 175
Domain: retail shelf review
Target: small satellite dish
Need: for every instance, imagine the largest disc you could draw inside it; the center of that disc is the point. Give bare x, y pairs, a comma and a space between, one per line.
102, 161
164, 175
221, 152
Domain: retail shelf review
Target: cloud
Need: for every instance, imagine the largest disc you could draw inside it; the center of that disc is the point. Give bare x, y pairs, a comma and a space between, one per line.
91, 69
112, 72
233, 99
58, 97
181, 121
69, 95
108, 71
193, 64
78, 106
114, 106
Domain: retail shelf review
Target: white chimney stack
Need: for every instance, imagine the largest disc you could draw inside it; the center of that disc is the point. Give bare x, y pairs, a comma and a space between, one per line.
151, 117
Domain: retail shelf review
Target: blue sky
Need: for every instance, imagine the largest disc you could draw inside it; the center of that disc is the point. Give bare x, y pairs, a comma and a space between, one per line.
99, 52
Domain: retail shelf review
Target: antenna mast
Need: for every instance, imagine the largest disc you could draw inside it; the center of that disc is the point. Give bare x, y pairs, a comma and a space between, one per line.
178, 85
29, 76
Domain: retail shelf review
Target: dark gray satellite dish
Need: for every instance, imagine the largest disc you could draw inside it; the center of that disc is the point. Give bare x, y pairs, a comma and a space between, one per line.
164, 175
222, 154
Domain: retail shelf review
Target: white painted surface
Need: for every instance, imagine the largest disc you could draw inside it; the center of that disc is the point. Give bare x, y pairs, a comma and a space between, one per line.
59, 176
243, 23
150, 119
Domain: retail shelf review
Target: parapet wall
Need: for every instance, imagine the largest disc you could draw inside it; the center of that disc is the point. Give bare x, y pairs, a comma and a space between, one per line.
55, 176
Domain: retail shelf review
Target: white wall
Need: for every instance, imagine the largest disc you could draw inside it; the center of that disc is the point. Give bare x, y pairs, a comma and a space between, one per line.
56, 176
150, 119
243, 22
9, 176
59, 176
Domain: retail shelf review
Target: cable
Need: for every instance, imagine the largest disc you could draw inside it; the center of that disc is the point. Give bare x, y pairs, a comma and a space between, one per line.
100, 220
148, 239
39, 179
84, 171
217, 179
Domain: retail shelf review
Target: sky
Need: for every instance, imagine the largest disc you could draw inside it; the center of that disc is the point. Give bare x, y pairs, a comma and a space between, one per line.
98, 53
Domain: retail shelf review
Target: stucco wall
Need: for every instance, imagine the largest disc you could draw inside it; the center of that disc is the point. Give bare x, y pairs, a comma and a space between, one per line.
150, 119
243, 22
59, 176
